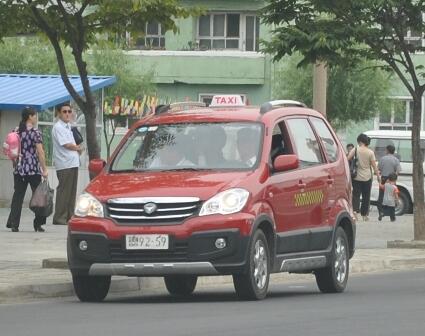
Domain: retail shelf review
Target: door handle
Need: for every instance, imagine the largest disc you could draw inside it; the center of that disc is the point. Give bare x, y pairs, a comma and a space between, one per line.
330, 180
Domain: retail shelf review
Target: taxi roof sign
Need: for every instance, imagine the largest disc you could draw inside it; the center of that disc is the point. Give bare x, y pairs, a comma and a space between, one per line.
226, 101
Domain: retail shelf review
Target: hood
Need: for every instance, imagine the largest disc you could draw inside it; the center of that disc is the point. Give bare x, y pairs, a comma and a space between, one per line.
164, 184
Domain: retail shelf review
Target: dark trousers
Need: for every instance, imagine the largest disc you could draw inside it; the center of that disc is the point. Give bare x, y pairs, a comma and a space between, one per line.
65, 195
381, 195
361, 188
20, 186
388, 211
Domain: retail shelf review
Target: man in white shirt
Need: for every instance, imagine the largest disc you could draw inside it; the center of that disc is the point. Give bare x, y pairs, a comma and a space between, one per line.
66, 158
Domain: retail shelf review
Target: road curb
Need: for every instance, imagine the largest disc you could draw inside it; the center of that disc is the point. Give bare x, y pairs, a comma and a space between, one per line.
123, 284
412, 244
62, 289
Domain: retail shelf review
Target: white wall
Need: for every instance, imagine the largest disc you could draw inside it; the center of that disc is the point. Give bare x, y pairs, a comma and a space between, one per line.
8, 121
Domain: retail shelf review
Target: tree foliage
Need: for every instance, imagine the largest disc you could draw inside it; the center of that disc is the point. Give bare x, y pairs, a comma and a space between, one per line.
348, 31
354, 93
77, 25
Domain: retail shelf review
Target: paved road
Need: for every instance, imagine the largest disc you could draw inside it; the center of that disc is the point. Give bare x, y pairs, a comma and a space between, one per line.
375, 304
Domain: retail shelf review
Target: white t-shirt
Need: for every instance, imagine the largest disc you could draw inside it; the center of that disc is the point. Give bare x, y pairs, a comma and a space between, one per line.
63, 158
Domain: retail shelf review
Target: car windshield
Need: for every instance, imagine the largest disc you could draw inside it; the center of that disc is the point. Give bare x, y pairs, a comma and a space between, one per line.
191, 146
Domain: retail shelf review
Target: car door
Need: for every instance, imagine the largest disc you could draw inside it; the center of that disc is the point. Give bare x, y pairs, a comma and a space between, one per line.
297, 195
282, 186
335, 187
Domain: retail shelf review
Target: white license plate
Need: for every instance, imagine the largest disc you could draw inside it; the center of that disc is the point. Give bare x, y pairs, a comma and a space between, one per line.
146, 242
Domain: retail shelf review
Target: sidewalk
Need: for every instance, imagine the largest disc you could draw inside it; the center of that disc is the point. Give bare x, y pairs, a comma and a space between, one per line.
22, 253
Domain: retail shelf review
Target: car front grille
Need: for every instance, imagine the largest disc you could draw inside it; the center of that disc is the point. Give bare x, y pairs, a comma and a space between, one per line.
152, 210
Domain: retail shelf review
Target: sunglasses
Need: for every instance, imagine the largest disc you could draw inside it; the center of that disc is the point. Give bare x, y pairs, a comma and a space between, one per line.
66, 111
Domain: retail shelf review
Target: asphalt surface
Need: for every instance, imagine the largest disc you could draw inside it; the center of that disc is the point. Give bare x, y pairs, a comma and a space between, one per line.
374, 304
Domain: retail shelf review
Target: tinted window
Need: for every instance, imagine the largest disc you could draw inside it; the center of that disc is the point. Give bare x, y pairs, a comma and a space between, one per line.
328, 141
306, 145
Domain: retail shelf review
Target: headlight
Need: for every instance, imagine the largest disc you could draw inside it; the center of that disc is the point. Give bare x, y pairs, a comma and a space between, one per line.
226, 202
87, 205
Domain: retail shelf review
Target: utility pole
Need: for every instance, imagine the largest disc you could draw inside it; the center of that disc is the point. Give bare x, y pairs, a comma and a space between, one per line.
320, 83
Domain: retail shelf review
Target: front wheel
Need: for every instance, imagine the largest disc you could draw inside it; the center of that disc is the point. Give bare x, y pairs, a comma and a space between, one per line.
91, 288
333, 279
180, 285
253, 284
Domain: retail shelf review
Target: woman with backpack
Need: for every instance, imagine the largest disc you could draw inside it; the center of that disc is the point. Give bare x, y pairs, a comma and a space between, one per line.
29, 168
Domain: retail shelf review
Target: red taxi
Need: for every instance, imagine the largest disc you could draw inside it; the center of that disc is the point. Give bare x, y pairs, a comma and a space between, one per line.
224, 190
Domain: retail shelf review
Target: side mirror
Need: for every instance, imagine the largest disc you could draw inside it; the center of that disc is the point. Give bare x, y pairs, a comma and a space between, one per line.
96, 166
285, 162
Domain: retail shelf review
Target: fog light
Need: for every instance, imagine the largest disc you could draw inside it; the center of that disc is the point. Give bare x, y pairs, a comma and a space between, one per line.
220, 243
83, 245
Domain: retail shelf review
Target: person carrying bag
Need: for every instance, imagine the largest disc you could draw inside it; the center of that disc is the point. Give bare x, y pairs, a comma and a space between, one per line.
28, 170
42, 199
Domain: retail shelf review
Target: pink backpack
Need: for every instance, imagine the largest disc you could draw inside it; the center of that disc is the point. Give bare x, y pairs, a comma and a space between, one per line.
12, 145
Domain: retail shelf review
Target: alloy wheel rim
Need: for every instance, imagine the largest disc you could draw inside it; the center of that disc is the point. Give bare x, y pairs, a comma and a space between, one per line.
399, 207
340, 260
260, 264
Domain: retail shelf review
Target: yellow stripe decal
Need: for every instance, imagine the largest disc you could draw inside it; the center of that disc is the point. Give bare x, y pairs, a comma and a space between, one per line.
308, 198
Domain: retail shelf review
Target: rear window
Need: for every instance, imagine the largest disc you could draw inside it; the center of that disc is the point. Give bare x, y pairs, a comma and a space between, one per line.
403, 148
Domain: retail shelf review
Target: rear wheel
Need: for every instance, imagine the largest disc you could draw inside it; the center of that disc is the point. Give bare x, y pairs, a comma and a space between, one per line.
403, 204
333, 279
91, 288
181, 285
253, 284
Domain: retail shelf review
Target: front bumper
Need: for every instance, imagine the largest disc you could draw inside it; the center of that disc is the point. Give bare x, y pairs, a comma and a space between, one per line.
195, 255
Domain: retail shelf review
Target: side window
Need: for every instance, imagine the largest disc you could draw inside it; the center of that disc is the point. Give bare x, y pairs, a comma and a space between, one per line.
306, 144
328, 141
280, 142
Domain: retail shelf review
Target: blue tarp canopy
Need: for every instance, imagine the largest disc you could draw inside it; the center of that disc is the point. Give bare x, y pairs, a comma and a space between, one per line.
42, 91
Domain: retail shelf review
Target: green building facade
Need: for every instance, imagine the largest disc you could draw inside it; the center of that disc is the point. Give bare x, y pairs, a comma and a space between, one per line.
215, 53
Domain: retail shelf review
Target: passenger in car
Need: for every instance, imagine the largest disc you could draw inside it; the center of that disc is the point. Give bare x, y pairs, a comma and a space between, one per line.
278, 146
247, 150
210, 146
172, 154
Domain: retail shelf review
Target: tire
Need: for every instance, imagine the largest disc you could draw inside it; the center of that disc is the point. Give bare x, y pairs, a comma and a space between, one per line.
254, 282
91, 288
180, 285
404, 204
333, 279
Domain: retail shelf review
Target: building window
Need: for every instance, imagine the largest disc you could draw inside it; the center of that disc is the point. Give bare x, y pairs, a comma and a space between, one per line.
228, 31
154, 37
399, 117
415, 37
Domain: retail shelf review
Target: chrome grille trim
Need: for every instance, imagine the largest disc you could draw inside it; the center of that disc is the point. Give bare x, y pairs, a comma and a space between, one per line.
141, 210
158, 200
168, 210
146, 217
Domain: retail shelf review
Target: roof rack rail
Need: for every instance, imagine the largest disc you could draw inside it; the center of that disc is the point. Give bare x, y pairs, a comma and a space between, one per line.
266, 107
179, 106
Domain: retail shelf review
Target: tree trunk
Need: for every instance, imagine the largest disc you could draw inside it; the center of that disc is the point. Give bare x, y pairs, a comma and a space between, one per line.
320, 85
92, 144
418, 171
